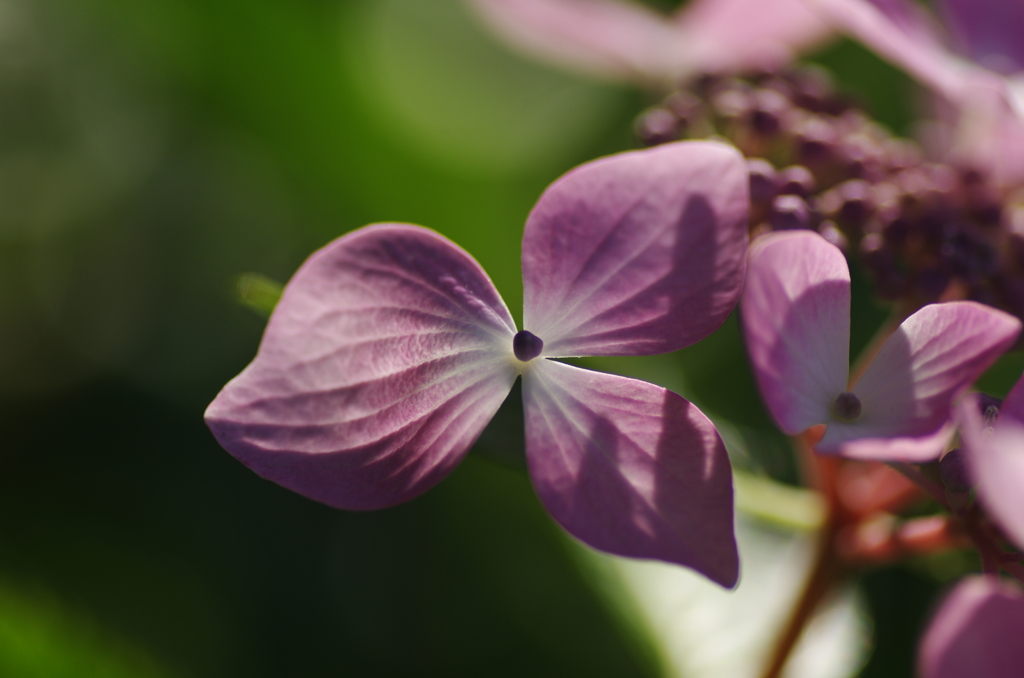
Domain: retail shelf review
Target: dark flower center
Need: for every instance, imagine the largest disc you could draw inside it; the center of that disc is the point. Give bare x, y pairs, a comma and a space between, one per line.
954, 472
847, 406
526, 345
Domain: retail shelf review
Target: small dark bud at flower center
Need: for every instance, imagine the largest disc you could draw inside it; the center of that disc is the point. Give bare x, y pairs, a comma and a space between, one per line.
953, 471
526, 345
847, 406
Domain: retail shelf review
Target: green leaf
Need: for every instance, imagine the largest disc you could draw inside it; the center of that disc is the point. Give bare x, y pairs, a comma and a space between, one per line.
258, 292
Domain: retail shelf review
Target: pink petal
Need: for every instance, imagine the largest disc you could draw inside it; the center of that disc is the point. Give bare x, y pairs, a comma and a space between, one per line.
996, 459
909, 449
990, 128
989, 30
910, 386
976, 632
796, 321
730, 36
605, 38
630, 468
626, 41
637, 253
1013, 405
385, 358
901, 32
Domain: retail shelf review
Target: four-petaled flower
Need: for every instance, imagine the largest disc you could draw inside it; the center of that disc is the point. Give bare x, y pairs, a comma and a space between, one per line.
795, 311
390, 350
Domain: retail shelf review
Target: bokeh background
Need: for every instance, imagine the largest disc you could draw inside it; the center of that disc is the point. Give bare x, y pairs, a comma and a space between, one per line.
151, 151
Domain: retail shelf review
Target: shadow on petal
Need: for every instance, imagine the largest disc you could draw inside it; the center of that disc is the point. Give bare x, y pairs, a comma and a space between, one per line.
796, 323
638, 253
653, 300
631, 468
805, 368
936, 354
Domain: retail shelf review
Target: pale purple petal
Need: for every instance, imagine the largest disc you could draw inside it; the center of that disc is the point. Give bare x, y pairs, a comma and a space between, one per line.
914, 450
731, 36
909, 388
630, 468
388, 353
628, 42
637, 253
604, 38
996, 461
989, 131
901, 32
795, 312
1013, 404
991, 31
976, 633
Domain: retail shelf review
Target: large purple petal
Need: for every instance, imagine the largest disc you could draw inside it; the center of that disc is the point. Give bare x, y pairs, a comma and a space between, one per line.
638, 253
796, 321
996, 459
976, 632
731, 36
605, 38
388, 353
626, 41
630, 468
909, 388
989, 30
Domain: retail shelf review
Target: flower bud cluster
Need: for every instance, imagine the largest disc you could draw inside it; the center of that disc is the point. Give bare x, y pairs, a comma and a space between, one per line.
924, 231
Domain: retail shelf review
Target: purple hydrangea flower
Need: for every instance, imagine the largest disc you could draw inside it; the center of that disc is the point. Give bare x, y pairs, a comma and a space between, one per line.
977, 64
390, 350
795, 310
976, 632
626, 41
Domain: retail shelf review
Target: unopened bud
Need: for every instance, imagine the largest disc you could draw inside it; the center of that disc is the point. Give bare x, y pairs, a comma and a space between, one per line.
797, 180
953, 471
789, 212
657, 126
764, 180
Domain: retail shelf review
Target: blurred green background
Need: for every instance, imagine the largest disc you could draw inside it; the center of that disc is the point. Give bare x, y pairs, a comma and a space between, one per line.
153, 150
